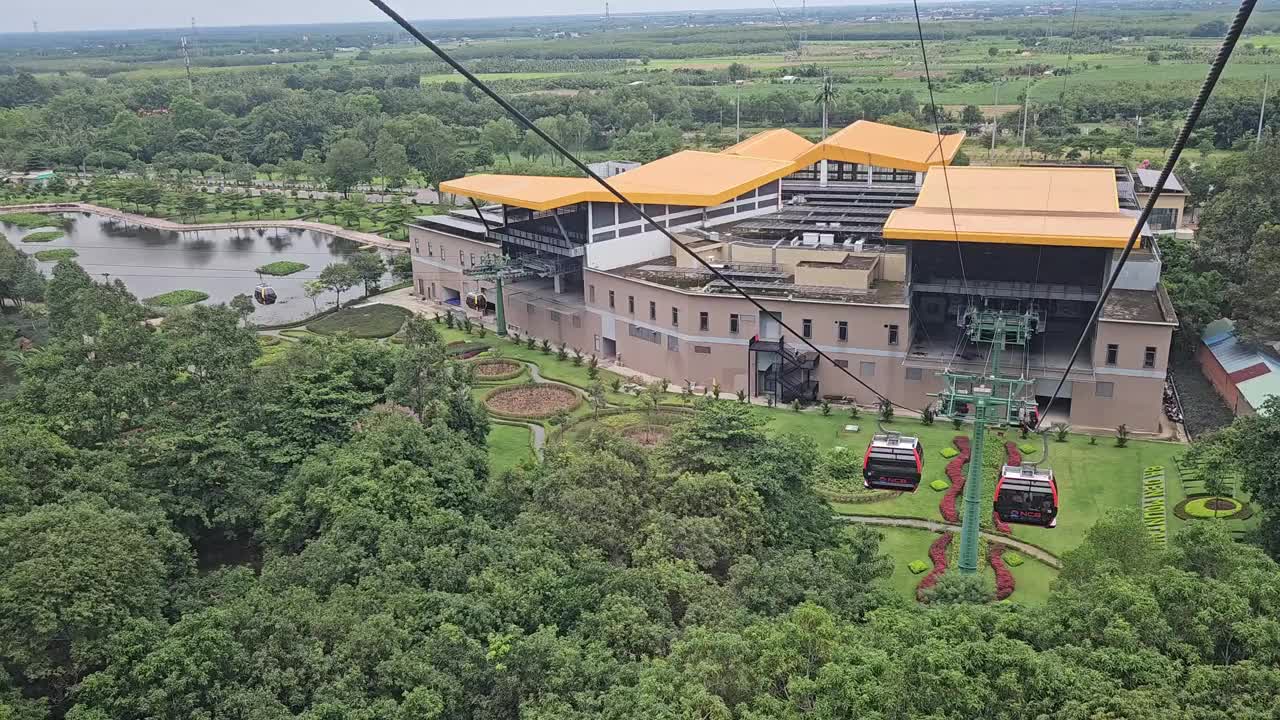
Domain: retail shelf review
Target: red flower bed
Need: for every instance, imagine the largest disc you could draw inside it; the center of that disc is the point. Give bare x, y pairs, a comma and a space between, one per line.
1004, 578
938, 554
955, 473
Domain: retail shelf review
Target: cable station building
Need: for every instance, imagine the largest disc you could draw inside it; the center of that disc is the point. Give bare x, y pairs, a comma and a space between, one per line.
870, 244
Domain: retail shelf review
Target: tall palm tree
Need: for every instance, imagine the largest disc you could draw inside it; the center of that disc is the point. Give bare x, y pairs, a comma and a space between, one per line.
826, 97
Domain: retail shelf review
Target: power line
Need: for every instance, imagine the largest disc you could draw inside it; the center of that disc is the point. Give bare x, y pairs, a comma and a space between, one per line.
555, 145
1193, 115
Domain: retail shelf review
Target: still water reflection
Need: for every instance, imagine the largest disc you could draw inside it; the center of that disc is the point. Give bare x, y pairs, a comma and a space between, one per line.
219, 262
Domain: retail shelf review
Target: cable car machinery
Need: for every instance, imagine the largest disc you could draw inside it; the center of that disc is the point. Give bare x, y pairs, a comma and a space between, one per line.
505, 268
993, 399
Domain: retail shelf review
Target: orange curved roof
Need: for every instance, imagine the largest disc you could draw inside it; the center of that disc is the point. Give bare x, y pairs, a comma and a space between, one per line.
872, 143
776, 144
1076, 207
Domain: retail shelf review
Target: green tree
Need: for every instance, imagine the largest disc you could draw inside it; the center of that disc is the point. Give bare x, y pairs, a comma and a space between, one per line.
347, 164
369, 268
391, 161
501, 136
339, 278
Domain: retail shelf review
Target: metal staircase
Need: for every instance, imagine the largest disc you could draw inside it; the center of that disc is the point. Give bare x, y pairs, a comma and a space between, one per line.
784, 372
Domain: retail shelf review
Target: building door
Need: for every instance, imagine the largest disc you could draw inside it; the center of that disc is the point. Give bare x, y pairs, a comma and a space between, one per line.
770, 329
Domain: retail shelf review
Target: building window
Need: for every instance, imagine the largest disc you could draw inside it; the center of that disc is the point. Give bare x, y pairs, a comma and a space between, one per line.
462, 258
430, 251
1149, 357
645, 334
733, 323
631, 304
893, 334
806, 328
1104, 389
653, 310
577, 321
610, 299
528, 309
673, 343
915, 374
702, 349
591, 293
842, 330
1113, 354
867, 369
841, 363
473, 259
555, 316
675, 317
704, 321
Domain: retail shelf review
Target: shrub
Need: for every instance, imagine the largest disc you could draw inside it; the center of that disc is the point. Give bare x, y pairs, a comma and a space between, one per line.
1060, 431
1122, 435
562, 352
529, 342
956, 422
439, 319
795, 405
854, 412
545, 347
886, 410
175, 298
577, 357
287, 267
593, 368
448, 320
742, 396
948, 453
927, 416
917, 566
466, 324
939, 485
616, 383
826, 408
464, 350
480, 330
1028, 449
1013, 559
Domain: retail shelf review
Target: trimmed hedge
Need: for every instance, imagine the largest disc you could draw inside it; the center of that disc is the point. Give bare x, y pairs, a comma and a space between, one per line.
1195, 508
368, 321
939, 485
948, 453
917, 566
176, 298
1029, 449
1012, 559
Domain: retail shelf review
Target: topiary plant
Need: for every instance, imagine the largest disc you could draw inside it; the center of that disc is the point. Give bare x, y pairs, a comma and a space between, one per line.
826, 407
886, 410
1122, 435
562, 352
1060, 431
593, 367
529, 342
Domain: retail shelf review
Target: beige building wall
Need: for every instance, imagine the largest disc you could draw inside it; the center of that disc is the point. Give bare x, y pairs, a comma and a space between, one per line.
439, 262
1176, 202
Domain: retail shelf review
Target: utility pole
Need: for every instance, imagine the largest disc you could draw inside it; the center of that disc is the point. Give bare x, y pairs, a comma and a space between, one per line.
1026, 103
737, 109
995, 122
35, 26
1137, 128
1262, 114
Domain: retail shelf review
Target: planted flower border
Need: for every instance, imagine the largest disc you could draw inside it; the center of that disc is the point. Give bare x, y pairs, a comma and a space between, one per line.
955, 473
938, 554
1004, 579
518, 369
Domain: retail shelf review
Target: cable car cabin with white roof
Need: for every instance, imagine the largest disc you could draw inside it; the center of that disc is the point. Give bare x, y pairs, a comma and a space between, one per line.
893, 462
1028, 495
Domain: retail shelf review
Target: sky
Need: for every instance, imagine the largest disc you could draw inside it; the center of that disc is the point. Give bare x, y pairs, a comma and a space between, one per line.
62, 15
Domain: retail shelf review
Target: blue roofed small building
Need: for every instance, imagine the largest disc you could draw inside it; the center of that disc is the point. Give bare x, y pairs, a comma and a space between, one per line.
1243, 375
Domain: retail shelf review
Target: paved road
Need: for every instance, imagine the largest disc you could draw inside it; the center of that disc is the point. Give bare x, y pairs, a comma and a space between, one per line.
161, 224
1043, 556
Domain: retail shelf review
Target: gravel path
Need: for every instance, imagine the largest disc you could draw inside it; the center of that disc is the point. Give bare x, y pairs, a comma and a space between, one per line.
1042, 555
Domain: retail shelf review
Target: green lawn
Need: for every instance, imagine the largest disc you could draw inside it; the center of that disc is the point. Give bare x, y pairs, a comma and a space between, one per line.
370, 321
41, 236
32, 220
282, 267
1091, 478
55, 254
1032, 579
509, 446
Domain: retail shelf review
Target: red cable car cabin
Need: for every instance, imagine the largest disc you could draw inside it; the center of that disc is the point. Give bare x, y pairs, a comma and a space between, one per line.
893, 462
1027, 494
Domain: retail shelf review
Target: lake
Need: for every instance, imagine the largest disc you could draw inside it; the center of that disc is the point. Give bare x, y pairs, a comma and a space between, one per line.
219, 262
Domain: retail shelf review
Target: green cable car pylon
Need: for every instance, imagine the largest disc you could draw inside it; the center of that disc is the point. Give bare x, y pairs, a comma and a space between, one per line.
993, 398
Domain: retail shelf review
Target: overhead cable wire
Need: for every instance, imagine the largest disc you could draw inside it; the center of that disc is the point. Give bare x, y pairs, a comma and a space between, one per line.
622, 199
1193, 115
937, 129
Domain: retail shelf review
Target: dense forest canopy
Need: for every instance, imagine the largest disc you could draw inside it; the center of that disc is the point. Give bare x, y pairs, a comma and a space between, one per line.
184, 534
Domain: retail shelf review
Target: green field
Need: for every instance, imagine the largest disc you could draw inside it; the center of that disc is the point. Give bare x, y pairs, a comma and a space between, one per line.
370, 321
176, 298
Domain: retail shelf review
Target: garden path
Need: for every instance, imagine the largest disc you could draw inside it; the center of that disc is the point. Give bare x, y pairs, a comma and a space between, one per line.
1042, 555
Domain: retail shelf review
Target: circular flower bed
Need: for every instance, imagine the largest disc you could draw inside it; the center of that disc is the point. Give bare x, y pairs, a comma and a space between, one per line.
1210, 507
531, 401
649, 436
492, 370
